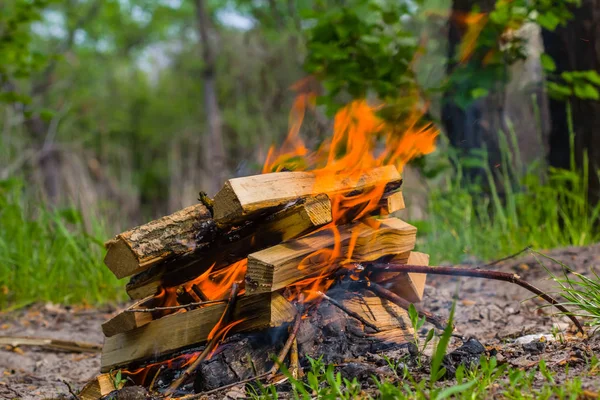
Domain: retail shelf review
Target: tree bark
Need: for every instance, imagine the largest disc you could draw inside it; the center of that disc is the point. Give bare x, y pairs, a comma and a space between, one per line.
214, 150
576, 47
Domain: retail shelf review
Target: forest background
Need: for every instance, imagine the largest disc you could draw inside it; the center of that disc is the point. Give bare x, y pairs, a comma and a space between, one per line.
114, 112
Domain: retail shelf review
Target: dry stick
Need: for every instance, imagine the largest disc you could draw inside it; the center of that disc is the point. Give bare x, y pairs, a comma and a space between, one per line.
200, 303
288, 345
349, 312
294, 362
518, 253
477, 273
191, 369
151, 387
71, 390
437, 321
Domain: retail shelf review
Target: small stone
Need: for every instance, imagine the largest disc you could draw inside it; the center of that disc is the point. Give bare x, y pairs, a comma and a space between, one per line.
535, 347
537, 337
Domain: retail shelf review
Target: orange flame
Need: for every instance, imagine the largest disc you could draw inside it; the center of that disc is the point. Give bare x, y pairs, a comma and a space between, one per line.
361, 141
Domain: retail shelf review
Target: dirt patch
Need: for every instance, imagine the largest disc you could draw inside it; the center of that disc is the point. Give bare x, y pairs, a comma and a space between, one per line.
492, 312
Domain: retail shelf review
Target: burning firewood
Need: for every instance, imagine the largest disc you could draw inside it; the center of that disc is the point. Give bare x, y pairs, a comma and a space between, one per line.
296, 219
177, 331
242, 197
281, 237
280, 266
139, 248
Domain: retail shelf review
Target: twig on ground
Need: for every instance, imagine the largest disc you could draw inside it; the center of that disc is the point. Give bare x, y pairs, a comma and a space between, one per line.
347, 311
191, 369
75, 396
198, 304
288, 344
477, 273
436, 320
51, 344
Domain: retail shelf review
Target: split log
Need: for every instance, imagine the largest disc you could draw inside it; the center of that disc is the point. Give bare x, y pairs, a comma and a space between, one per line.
99, 387
183, 330
293, 221
409, 286
242, 197
139, 248
394, 202
126, 321
282, 265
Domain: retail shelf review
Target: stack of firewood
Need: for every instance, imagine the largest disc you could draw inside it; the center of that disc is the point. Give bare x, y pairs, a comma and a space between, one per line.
271, 241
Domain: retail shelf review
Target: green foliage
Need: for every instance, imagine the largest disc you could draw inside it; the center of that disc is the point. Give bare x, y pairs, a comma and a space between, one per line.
361, 47
49, 255
581, 292
18, 59
489, 379
485, 220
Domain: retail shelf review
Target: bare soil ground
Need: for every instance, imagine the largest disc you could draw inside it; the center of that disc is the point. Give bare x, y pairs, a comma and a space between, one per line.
492, 312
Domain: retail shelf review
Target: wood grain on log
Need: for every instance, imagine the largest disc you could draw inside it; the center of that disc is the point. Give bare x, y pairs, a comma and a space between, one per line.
279, 266
284, 225
99, 387
139, 248
241, 197
126, 321
179, 331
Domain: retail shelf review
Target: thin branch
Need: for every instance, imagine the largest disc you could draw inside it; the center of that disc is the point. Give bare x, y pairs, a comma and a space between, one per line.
288, 344
71, 390
433, 319
178, 307
349, 312
191, 369
518, 253
477, 273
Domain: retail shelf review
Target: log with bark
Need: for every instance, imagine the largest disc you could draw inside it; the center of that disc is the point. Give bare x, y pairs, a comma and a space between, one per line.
296, 219
139, 248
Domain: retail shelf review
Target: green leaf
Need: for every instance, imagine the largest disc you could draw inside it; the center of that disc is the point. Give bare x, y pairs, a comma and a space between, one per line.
592, 76
479, 92
587, 91
547, 63
444, 394
548, 20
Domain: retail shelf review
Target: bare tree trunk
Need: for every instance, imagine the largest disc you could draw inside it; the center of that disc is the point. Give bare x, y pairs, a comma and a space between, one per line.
214, 150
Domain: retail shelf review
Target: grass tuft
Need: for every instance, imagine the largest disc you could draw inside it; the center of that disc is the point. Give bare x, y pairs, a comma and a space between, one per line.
49, 255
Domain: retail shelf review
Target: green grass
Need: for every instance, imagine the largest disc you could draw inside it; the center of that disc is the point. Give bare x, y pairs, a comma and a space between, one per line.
487, 380
474, 219
49, 255
581, 292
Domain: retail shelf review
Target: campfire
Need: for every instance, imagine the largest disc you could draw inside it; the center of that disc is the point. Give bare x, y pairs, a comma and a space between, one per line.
275, 264
305, 259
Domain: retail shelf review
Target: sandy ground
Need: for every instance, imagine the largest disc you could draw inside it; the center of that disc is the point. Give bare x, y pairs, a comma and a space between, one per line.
493, 312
